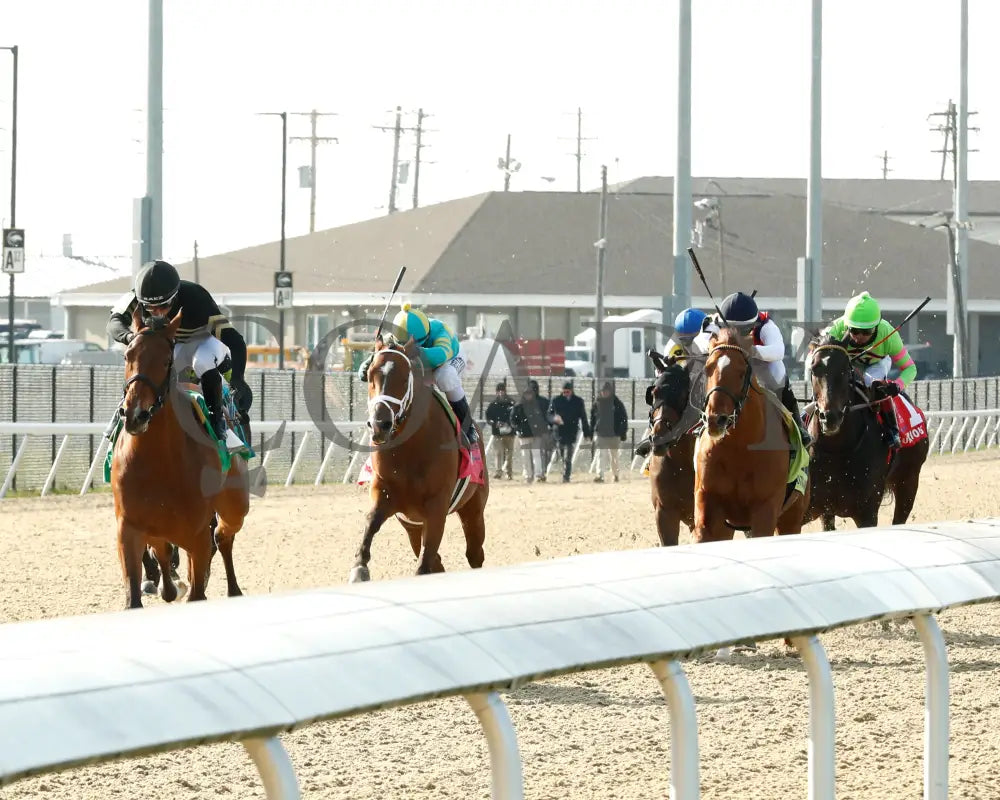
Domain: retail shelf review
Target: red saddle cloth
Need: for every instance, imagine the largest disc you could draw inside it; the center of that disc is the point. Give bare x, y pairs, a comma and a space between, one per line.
911, 421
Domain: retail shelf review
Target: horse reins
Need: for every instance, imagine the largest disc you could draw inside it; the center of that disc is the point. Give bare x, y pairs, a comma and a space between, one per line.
389, 401
847, 408
160, 390
738, 401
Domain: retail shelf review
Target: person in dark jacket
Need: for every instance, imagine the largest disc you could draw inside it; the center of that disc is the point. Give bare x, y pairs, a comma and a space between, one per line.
207, 343
547, 440
531, 424
498, 415
569, 414
609, 423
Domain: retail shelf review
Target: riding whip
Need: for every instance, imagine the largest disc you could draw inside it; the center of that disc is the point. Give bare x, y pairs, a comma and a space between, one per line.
701, 275
906, 319
395, 286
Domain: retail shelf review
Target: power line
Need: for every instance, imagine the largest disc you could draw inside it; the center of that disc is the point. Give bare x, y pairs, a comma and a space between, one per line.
884, 158
314, 141
398, 130
950, 131
580, 139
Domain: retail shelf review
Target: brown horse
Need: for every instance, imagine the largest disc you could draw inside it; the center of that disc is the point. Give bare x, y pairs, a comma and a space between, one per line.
671, 465
852, 463
165, 474
415, 463
742, 458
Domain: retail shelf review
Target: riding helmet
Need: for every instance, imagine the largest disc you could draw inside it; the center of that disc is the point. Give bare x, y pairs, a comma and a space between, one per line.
413, 321
688, 322
862, 312
157, 284
740, 310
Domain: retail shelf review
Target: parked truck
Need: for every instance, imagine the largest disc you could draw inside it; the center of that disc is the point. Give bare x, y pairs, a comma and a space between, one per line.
626, 339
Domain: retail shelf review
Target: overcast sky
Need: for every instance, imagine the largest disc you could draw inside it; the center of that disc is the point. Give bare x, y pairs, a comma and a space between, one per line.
480, 70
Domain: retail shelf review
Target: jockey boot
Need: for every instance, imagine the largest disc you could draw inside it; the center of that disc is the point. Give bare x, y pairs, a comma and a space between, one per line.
461, 409
211, 387
645, 445
891, 426
789, 401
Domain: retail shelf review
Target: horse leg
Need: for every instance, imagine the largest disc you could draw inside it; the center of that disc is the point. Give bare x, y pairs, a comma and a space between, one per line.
415, 533
904, 489
152, 570
373, 522
709, 520
668, 524
231, 508
131, 544
829, 522
199, 559
429, 559
763, 520
474, 527
163, 549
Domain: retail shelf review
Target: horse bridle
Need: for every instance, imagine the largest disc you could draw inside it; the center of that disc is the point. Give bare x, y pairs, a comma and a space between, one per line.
847, 406
159, 389
398, 407
738, 401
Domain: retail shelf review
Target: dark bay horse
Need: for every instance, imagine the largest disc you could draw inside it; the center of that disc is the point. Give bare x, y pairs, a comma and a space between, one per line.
744, 454
165, 475
851, 468
415, 463
671, 465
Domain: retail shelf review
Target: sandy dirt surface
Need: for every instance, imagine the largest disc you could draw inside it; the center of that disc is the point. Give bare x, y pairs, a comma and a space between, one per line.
592, 735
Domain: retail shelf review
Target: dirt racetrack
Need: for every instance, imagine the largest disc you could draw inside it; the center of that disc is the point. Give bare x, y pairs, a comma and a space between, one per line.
592, 735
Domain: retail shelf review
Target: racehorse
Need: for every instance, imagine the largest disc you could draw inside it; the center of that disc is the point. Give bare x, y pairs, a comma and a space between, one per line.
748, 468
852, 464
419, 473
671, 466
165, 478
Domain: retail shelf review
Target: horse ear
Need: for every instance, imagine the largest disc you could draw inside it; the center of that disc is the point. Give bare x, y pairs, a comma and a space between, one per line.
174, 324
649, 395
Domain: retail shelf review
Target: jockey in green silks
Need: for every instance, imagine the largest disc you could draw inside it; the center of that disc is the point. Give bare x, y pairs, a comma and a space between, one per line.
860, 327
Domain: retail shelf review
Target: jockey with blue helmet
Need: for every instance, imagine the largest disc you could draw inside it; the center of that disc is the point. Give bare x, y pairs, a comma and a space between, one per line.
439, 351
740, 311
687, 325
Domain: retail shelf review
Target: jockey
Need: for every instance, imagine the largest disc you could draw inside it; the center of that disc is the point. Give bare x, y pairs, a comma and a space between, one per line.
207, 343
439, 349
687, 325
741, 312
862, 326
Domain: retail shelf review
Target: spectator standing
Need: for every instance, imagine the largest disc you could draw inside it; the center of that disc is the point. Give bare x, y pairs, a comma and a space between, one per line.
609, 424
569, 414
498, 415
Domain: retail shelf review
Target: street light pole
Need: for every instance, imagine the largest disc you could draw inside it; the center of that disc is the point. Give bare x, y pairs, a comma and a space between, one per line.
13, 197
281, 257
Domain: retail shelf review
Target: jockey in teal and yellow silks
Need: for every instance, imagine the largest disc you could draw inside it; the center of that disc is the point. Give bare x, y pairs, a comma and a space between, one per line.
860, 327
439, 351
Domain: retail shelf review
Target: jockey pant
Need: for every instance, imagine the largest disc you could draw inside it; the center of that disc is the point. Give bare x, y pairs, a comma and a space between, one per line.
199, 355
448, 378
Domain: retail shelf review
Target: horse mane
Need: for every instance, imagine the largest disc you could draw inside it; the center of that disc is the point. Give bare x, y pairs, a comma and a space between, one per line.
820, 339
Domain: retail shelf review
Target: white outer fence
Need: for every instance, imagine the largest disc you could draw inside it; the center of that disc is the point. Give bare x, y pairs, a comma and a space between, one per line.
248, 669
950, 431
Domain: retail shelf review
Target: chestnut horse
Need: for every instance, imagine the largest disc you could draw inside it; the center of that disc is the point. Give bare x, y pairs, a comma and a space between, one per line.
671, 465
851, 466
415, 463
743, 455
165, 473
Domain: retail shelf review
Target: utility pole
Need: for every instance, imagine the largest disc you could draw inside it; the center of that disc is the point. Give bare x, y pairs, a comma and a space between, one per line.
154, 130
950, 130
13, 204
421, 116
313, 140
601, 245
398, 130
507, 167
197, 275
884, 158
580, 139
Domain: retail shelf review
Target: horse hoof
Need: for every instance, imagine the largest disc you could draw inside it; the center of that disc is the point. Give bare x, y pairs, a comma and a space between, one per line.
182, 588
359, 575
723, 654
148, 587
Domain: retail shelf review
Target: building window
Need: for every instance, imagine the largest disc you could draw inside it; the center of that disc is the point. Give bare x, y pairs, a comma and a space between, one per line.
317, 327
258, 334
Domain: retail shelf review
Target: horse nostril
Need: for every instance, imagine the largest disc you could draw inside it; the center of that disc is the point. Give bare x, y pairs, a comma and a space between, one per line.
721, 419
384, 424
